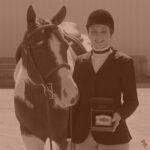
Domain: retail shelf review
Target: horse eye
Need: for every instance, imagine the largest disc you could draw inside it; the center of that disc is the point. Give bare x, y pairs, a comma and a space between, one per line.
40, 42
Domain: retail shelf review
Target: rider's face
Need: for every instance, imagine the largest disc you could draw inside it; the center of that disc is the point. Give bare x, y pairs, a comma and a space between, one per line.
99, 35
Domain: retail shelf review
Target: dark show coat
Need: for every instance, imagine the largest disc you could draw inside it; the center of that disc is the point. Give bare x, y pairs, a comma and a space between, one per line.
115, 79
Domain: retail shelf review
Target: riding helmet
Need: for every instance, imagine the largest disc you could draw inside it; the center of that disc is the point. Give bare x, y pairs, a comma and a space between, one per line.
101, 16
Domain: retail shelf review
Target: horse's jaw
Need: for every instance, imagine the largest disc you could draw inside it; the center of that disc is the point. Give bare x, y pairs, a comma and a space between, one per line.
69, 92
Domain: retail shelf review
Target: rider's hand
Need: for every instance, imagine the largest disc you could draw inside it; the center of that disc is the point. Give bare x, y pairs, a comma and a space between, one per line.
115, 120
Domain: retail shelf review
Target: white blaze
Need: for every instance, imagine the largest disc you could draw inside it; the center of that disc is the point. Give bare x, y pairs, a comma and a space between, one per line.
20, 77
68, 87
55, 47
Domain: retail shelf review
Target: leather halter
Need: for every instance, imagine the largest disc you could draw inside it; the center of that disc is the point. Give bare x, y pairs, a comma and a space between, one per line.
48, 87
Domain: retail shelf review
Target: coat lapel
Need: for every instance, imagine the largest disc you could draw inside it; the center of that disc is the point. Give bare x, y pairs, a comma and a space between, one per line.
88, 63
107, 63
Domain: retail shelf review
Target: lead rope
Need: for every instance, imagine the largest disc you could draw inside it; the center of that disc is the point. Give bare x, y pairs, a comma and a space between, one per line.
73, 147
47, 92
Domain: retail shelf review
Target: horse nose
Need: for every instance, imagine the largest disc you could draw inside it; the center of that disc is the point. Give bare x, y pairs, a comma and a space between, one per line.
74, 100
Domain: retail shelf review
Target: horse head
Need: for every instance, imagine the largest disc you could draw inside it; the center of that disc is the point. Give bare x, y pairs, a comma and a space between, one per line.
44, 56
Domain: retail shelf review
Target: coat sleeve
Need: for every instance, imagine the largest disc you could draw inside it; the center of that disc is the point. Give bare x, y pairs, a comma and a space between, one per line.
128, 84
76, 71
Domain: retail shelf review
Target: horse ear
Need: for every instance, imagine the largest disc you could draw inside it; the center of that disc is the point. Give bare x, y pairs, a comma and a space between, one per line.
31, 17
59, 17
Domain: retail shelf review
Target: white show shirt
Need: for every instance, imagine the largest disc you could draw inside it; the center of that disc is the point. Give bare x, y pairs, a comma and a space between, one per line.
99, 59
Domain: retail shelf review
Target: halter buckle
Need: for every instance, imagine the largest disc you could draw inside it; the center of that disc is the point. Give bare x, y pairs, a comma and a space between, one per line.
48, 91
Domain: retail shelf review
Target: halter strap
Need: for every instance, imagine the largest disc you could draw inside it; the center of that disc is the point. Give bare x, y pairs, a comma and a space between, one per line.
38, 29
56, 68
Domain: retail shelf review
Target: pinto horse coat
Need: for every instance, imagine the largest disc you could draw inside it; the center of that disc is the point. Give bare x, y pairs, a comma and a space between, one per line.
43, 49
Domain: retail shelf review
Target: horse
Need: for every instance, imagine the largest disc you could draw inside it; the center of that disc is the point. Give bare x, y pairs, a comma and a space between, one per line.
44, 87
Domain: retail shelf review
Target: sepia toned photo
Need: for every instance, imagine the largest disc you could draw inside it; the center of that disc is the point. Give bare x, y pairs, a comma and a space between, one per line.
75, 75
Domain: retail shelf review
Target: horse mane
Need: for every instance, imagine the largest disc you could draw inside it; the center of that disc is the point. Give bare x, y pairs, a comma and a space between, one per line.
75, 42
18, 53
